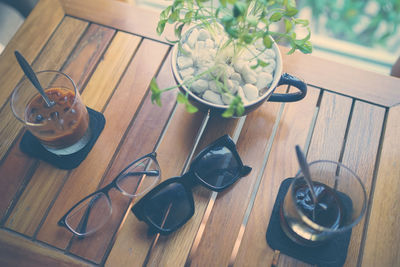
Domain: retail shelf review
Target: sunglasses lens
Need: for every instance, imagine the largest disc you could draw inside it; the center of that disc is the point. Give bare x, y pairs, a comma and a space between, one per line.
218, 167
140, 177
169, 207
89, 215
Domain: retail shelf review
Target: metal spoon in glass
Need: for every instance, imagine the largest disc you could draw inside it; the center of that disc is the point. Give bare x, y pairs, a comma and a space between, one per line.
307, 176
32, 77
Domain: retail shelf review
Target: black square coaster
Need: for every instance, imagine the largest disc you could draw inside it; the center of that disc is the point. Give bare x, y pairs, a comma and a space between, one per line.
31, 146
331, 253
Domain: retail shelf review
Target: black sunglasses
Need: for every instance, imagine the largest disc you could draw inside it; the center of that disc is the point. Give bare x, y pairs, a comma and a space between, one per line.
93, 211
170, 204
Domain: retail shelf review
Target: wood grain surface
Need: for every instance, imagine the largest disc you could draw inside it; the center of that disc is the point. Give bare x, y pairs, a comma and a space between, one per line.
382, 235
15, 250
111, 50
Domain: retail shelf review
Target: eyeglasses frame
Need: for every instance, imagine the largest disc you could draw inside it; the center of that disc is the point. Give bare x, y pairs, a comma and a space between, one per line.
105, 190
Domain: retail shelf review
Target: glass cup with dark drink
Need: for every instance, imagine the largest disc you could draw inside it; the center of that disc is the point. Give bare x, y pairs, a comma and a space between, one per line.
340, 204
62, 128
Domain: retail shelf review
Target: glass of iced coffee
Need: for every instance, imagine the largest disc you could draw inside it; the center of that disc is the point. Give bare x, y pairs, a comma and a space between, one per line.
340, 204
62, 128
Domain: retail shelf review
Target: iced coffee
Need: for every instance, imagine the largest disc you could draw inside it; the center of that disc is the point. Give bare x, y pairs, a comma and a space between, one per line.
62, 128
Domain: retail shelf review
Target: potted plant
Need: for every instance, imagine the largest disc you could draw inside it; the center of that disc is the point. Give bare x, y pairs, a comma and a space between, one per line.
228, 62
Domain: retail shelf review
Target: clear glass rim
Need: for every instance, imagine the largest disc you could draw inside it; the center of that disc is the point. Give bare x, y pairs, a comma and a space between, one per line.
322, 228
24, 79
103, 219
121, 175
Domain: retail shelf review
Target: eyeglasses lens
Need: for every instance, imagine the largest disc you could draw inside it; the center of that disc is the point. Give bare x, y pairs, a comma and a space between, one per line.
169, 207
89, 215
140, 177
218, 167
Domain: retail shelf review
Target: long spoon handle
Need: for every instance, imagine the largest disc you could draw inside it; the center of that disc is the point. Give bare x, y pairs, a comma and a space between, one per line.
306, 172
32, 77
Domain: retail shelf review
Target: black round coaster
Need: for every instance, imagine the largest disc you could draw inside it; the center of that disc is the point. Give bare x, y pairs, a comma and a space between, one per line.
331, 253
31, 146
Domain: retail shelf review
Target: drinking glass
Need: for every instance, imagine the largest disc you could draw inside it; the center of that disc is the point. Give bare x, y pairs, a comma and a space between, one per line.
341, 203
62, 128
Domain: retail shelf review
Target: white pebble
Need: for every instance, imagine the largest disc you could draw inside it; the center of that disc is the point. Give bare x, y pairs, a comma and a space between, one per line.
186, 49
227, 98
212, 85
184, 62
250, 91
232, 86
242, 95
185, 73
239, 65
236, 77
210, 43
213, 97
264, 79
199, 86
270, 53
203, 35
249, 76
192, 39
200, 45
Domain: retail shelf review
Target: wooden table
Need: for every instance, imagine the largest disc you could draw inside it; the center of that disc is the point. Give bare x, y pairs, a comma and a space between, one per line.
112, 52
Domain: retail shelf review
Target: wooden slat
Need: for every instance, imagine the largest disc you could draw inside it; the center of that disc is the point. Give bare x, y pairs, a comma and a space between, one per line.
37, 28
293, 129
382, 234
119, 112
18, 251
41, 190
109, 70
119, 15
330, 127
344, 79
82, 62
363, 141
79, 66
230, 206
140, 140
52, 57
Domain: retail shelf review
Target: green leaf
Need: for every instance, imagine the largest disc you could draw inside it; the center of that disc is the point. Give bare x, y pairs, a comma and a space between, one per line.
178, 30
174, 16
247, 38
190, 108
288, 25
276, 17
183, 99
161, 26
267, 41
165, 13
228, 113
155, 92
252, 20
302, 22
291, 11
306, 48
239, 8
235, 107
223, 2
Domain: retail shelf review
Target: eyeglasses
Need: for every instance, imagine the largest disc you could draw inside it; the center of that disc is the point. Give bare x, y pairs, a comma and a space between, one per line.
92, 212
170, 204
